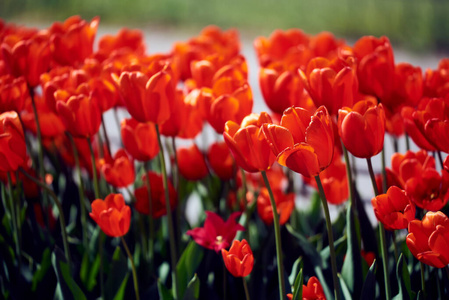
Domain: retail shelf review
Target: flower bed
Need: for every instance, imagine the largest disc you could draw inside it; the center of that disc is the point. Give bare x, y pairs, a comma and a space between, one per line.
83, 220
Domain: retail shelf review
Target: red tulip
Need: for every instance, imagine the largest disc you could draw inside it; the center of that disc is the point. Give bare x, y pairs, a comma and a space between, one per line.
13, 93
394, 209
220, 160
375, 66
362, 128
148, 99
120, 171
331, 83
247, 143
239, 260
285, 204
191, 163
139, 139
428, 240
303, 142
216, 234
12, 142
112, 215
312, 291
158, 205
81, 115
72, 41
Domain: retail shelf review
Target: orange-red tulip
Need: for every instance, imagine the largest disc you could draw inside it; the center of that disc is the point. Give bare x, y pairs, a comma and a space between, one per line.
120, 171
332, 83
112, 215
312, 291
376, 68
191, 163
435, 81
139, 139
239, 260
285, 203
303, 142
362, 128
148, 99
394, 209
247, 143
13, 93
72, 41
12, 142
220, 160
159, 208
428, 240
81, 115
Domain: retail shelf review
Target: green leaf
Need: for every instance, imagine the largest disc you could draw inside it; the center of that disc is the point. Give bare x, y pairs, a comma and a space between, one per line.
187, 265
164, 293
41, 269
297, 266
403, 277
120, 295
117, 276
297, 286
309, 250
193, 289
369, 286
67, 287
352, 266
344, 288
89, 271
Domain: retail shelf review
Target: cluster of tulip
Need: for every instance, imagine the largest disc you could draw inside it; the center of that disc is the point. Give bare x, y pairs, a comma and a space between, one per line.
330, 104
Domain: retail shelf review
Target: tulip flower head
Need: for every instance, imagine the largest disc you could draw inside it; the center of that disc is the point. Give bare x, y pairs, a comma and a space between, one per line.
285, 203
12, 142
216, 234
428, 240
362, 128
394, 209
239, 260
112, 215
313, 290
120, 171
191, 163
303, 142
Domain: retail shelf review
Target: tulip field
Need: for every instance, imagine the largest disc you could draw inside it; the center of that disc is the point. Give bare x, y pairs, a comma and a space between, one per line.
199, 197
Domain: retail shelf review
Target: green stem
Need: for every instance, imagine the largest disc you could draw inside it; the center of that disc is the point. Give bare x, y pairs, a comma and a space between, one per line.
101, 238
277, 234
133, 267
383, 240
169, 215
407, 142
106, 138
15, 221
349, 175
80, 192
150, 216
330, 236
245, 286
423, 281
94, 169
40, 150
61, 214
395, 247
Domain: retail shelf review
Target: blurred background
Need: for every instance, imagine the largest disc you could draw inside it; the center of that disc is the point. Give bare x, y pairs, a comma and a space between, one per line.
416, 25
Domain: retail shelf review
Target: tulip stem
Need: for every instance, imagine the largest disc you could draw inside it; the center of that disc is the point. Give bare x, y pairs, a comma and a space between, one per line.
40, 150
277, 233
150, 216
106, 137
383, 240
80, 192
14, 220
133, 267
169, 216
94, 169
61, 214
330, 236
423, 282
349, 175
245, 286
440, 159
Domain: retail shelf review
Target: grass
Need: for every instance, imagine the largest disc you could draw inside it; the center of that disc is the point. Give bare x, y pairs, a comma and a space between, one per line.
413, 24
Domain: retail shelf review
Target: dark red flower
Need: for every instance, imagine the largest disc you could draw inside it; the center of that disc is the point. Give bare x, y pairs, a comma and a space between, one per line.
13, 150
191, 163
216, 234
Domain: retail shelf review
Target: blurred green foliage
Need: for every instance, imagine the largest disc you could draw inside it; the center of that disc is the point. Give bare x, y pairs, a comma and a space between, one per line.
415, 24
